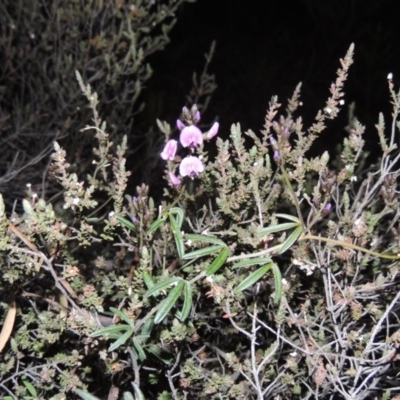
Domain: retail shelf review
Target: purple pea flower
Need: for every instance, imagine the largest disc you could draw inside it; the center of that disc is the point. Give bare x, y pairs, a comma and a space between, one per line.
169, 150
180, 125
174, 179
191, 136
213, 131
196, 117
191, 166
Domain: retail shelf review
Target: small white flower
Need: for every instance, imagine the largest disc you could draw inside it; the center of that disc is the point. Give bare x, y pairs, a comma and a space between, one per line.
300, 103
353, 179
111, 214
34, 195
209, 279
75, 201
284, 282
294, 354
328, 110
94, 162
341, 102
189, 243
28, 185
390, 76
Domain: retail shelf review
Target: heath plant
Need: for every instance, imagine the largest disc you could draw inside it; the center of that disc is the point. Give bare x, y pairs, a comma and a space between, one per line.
262, 274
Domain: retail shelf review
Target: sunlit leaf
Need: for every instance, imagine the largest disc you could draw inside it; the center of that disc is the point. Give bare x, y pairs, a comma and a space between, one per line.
169, 302
290, 240
111, 332
127, 396
165, 283
156, 224
202, 252
289, 217
277, 228
203, 238
122, 315
138, 393
251, 261
254, 277
85, 395
187, 302
179, 216
218, 262
278, 283
128, 224
119, 342
139, 349
177, 236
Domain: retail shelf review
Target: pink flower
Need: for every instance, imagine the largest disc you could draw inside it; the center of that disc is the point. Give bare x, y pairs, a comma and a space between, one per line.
191, 136
213, 131
174, 179
191, 166
180, 125
196, 117
169, 150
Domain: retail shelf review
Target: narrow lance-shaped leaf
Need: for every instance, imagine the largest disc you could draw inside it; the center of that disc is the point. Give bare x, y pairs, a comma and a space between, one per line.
112, 332
289, 217
251, 261
203, 238
139, 349
85, 395
177, 236
138, 393
155, 225
179, 216
277, 228
128, 224
169, 302
218, 262
278, 283
254, 277
187, 302
290, 240
165, 283
119, 342
202, 252
122, 315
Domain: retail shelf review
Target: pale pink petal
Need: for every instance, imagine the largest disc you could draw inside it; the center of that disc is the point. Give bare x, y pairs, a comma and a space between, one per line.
191, 136
169, 150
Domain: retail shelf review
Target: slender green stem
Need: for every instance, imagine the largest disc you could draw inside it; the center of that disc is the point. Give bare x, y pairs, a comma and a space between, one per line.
350, 246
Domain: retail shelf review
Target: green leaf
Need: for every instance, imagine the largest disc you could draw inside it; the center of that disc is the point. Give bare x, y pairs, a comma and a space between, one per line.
277, 228
147, 327
165, 283
138, 393
218, 262
289, 217
160, 354
85, 395
112, 332
169, 302
203, 238
122, 315
156, 224
178, 212
139, 348
29, 386
121, 340
290, 240
278, 283
251, 261
127, 396
177, 236
202, 252
148, 280
254, 277
187, 302
126, 223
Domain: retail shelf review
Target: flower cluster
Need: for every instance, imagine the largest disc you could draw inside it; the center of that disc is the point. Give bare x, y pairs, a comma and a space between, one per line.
190, 138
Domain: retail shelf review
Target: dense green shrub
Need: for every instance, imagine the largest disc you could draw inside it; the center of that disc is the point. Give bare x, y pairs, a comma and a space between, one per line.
262, 274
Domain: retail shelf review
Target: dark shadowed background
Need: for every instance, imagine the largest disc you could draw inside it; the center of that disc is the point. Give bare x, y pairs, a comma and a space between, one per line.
265, 48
